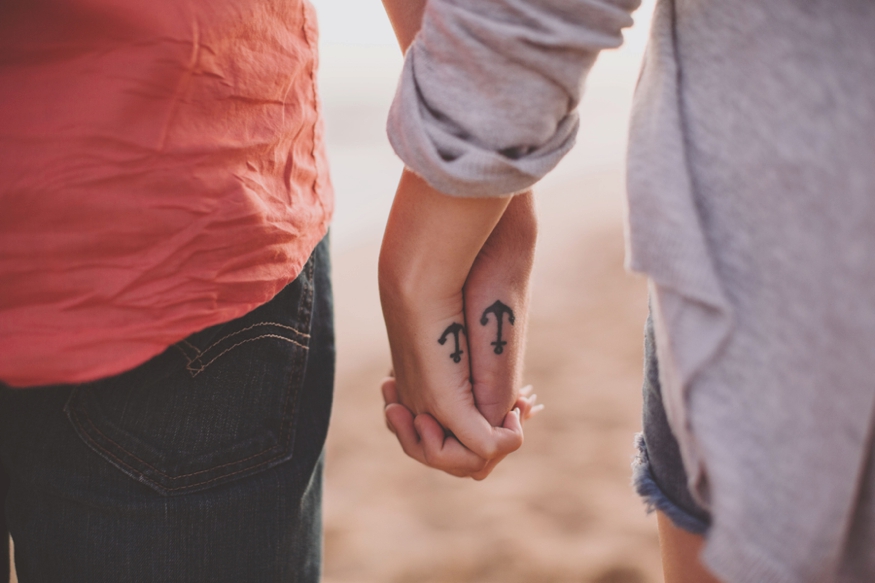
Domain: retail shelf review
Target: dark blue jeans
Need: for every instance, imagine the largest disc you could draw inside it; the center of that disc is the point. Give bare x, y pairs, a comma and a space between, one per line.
203, 464
658, 470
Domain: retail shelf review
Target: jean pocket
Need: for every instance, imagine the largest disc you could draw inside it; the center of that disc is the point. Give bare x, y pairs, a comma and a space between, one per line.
213, 408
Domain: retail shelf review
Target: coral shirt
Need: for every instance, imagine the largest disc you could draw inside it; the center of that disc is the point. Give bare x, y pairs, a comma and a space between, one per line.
162, 170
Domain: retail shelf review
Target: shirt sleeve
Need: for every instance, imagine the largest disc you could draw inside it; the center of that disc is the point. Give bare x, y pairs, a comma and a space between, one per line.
486, 103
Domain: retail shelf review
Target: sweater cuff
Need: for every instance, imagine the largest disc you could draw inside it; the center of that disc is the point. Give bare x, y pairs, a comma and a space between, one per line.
459, 167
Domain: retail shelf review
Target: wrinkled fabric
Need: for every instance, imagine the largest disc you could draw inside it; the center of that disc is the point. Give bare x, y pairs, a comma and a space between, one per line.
162, 170
768, 109
751, 190
487, 100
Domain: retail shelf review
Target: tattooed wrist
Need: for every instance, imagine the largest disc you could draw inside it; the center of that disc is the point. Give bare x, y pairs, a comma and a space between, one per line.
455, 329
498, 309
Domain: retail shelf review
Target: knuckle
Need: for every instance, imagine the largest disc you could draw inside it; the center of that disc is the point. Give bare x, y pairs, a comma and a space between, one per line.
429, 457
489, 450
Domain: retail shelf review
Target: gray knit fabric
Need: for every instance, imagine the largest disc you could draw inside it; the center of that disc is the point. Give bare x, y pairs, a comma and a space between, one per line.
487, 98
762, 258
751, 185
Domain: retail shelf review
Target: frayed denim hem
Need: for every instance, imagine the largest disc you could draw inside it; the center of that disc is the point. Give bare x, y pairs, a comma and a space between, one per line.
655, 498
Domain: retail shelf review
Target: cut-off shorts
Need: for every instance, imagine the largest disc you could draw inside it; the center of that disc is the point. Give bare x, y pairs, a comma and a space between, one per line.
658, 472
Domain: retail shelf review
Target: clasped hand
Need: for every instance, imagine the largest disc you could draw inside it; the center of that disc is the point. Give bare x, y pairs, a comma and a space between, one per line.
454, 284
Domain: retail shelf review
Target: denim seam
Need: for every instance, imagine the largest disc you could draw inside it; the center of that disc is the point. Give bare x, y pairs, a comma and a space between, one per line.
183, 352
190, 345
654, 497
285, 434
150, 466
173, 489
250, 327
285, 431
197, 370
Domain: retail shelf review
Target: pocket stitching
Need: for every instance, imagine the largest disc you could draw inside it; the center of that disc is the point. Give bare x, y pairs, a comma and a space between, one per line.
173, 489
246, 329
283, 435
190, 345
286, 431
196, 371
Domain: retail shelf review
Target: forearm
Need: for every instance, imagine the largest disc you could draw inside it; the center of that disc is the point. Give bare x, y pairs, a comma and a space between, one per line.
406, 19
432, 240
442, 257
487, 97
496, 307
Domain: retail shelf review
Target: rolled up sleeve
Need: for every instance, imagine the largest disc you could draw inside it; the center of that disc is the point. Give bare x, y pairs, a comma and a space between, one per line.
486, 103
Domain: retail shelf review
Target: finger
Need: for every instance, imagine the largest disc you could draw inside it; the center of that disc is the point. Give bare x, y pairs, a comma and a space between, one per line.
484, 473
389, 388
512, 422
401, 419
527, 407
476, 434
389, 425
390, 396
445, 452
495, 347
526, 390
524, 404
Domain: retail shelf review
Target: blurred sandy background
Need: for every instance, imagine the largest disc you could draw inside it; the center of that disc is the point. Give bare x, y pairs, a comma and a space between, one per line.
561, 509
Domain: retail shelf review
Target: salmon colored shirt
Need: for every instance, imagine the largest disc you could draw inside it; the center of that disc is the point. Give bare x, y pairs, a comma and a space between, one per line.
162, 170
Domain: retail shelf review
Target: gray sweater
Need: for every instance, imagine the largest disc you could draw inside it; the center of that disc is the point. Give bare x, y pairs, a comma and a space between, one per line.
751, 179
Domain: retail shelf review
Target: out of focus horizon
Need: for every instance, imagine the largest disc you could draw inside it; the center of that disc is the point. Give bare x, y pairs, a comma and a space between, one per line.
561, 510
364, 23
359, 66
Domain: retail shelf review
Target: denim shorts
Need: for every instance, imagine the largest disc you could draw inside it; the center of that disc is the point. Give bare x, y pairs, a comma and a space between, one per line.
658, 472
203, 464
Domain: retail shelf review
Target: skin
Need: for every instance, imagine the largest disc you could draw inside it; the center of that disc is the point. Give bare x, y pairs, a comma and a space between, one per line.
406, 19
499, 269
680, 554
432, 245
439, 264
502, 270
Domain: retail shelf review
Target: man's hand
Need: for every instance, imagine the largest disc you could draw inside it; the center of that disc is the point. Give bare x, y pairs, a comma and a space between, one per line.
406, 427
430, 245
435, 246
497, 308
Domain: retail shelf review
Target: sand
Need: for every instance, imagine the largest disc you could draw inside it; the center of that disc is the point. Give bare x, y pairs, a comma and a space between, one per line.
560, 510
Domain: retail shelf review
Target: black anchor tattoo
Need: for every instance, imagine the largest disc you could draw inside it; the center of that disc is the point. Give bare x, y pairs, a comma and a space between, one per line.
453, 329
499, 310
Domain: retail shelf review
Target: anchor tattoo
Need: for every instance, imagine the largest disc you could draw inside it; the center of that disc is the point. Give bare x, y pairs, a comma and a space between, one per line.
499, 310
453, 329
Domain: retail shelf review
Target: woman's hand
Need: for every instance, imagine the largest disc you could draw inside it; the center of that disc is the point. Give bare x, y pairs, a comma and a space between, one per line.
430, 245
435, 247
497, 308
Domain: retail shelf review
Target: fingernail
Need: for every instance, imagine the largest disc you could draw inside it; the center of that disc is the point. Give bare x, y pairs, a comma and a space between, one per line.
536, 408
526, 390
517, 411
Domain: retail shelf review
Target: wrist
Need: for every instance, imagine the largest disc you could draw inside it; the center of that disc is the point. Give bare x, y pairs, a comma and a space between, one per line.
432, 240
